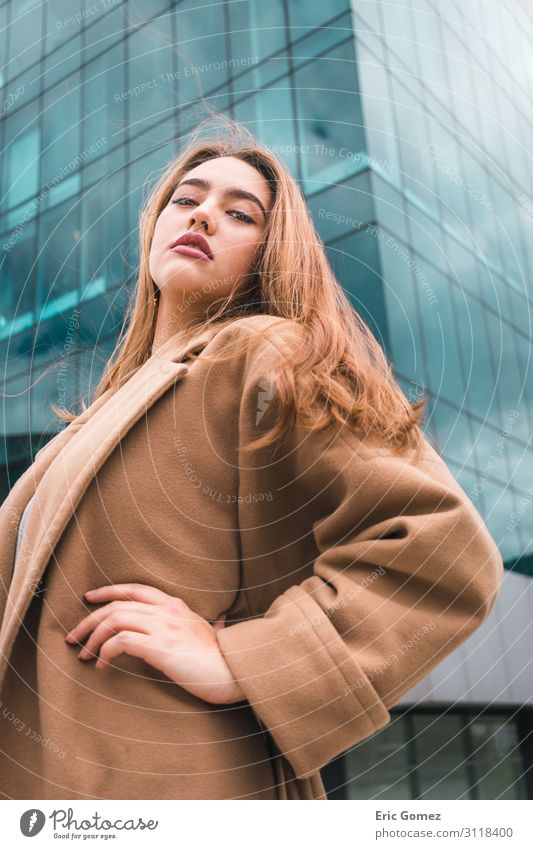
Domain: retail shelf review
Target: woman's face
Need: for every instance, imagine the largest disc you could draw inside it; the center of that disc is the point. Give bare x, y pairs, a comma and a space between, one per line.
226, 201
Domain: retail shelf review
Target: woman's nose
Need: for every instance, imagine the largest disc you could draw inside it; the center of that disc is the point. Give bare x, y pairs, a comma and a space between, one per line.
202, 218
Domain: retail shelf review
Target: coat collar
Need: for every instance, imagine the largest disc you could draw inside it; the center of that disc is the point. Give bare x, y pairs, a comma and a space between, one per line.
66, 466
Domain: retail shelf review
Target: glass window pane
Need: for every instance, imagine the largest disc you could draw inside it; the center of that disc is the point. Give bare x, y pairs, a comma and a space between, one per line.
17, 292
378, 113
378, 768
307, 14
330, 118
441, 757
58, 277
257, 29
402, 312
62, 61
509, 378
103, 30
438, 325
355, 261
62, 22
453, 432
413, 138
104, 107
24, 36
152, 83
15, 406
265, 113
479, 394
22, 147
497, 758
61, 130
318, 41
102, 317
200, 49
103, 230
341, 209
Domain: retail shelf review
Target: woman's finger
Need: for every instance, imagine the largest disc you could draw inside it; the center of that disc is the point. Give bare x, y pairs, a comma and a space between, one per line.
128, 592
131, 642
84, 628
114, 623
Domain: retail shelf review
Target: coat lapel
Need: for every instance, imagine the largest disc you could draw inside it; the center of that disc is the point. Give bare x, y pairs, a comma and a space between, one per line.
66, 466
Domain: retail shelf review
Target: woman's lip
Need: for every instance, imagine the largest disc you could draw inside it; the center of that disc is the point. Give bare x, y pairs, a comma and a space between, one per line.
190, 251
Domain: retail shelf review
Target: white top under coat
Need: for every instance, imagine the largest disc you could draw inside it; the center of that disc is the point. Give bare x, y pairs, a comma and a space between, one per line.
20, 532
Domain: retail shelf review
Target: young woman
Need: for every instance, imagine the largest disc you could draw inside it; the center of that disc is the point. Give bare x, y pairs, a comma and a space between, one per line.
240, 556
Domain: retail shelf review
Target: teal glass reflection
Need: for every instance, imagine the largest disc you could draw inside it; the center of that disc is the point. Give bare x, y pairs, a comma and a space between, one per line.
329, 118
104, 107
22, 147
200, 48
103, 231
257, 30
58, 270
269, 115
61, 131
307, 14
64, 21
25, 34
17, 260
152, 83
355, 261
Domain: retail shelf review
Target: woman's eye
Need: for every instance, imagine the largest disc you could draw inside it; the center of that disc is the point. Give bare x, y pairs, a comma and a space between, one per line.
179, 200
241, 216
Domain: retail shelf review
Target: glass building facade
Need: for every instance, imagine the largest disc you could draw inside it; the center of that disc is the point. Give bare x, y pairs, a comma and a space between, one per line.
407, 126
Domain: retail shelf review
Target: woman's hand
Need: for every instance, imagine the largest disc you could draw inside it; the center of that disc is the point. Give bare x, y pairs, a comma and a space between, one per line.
162, 630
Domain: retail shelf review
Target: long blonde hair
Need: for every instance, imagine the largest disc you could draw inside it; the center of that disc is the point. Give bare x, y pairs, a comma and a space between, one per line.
348, 376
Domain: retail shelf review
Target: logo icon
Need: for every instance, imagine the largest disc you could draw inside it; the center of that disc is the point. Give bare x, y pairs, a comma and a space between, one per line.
32, 822
265, 396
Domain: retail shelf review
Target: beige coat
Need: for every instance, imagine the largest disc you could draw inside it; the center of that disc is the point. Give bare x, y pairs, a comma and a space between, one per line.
346, 574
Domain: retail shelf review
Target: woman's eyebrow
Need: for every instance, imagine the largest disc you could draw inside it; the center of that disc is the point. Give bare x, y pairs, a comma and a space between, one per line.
240, 194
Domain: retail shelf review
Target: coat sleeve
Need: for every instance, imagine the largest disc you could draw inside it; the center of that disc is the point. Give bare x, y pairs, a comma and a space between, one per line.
405, 571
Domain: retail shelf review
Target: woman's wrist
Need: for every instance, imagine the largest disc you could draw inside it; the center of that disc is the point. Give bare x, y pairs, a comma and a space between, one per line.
230, 693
